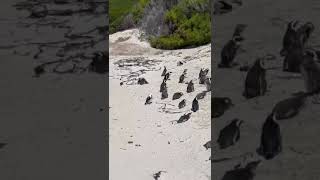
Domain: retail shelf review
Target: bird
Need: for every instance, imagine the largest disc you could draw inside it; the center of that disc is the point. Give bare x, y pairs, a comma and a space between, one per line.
182, 104
230, 134
177, 95
148, 100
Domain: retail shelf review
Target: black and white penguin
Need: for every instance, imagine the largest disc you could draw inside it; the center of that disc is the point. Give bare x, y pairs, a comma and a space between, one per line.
167, 76
230, 134
177, 95
208, 145
181, 78
190, 87
201, 95
246, 173
182, 104
148, 100
256, 83
163, 86
164, 72
195, 105
184, 118
229, 52
164, 93
207, 82
219, 105
288, 108
38, 70
290, 38
142, 81
203, 75
100, 63
271, 140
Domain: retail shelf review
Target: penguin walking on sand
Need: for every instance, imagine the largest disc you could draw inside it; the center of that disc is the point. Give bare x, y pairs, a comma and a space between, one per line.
256, 83
184, 118
245, 173
167, 76
203, 75
271, 140
230, 134
164, 93
148, 100
195, 105
201, 95
177, 95
164, 72
207, 82
229, 52
190, 87
182, 104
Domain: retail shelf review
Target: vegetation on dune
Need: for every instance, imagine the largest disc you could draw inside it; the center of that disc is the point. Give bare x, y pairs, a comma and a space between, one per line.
185, 23
125, 14
190, 25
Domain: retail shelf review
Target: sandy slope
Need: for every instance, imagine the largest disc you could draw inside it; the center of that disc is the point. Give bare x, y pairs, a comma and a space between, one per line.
174, 148
266, 22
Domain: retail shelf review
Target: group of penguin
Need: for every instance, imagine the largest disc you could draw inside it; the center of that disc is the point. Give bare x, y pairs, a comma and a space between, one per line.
203, 79
295, 56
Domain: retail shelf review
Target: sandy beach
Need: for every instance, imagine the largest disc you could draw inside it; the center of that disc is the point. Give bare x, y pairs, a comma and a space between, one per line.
143, 139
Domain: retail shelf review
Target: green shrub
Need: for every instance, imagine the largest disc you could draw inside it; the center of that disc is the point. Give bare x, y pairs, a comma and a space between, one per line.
191, 26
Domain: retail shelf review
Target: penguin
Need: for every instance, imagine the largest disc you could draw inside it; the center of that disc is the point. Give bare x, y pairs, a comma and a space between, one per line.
271, 140
290, 37
38, 70
167, 76
164, 72
230, 134
142, 81
164, 93
310, 71
100, 63
229, 52
182, 104
190, 87
195, 105
181, 78
177, 95
293, 59
163, 86
184, 118
148, 100
289, 107
203, 75
239, 30
201, 95
207, 145
207, 82
246, 173
256, 83
219, 105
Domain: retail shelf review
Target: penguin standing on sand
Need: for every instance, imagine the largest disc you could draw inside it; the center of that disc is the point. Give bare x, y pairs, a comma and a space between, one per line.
201, 95
163, 86
148, 100
271, 140
164, 93
195, 105
182, 104
256, 83
164, 72
167, 76
190, 87
203, 75
207, 82
229, 52
181, 78
230, 134
184, 118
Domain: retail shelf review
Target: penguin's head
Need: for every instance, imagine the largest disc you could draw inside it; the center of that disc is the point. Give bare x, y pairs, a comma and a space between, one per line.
237, 40
294, 25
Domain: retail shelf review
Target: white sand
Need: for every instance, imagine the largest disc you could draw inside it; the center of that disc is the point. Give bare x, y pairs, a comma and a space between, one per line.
146, 125
300, 156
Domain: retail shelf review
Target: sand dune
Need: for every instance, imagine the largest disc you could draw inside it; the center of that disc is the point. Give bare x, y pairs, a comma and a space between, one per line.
157, 144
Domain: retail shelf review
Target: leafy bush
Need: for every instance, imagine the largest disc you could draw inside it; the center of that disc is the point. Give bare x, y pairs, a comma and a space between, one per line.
191, 26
